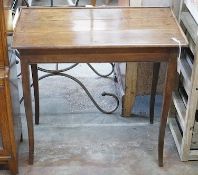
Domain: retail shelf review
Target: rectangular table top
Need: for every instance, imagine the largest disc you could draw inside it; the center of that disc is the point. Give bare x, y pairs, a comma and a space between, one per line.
120, 27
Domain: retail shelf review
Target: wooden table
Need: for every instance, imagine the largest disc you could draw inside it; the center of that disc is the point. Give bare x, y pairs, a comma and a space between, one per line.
59, 35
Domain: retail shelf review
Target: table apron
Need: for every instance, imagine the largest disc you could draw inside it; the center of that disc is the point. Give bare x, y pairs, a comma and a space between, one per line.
61, 57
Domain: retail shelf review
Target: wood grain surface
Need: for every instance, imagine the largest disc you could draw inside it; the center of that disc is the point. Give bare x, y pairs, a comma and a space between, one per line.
96, 27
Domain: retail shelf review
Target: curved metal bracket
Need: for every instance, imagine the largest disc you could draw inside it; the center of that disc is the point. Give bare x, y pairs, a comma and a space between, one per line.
85, 89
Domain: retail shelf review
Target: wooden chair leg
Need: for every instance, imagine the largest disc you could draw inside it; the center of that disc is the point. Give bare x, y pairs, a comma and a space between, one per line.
156, 67
36, 91
168, 88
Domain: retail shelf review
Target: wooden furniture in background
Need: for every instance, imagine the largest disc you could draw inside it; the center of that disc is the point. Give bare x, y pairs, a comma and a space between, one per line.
146, 74
111, 35
183, 120
3, 43
10, 124
136, 71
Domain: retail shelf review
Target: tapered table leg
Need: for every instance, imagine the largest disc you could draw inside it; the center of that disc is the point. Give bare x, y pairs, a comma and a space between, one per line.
168, 88
36, 91
156, 67
28, 106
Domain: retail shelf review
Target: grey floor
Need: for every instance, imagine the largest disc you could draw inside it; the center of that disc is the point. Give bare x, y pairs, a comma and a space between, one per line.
74, 138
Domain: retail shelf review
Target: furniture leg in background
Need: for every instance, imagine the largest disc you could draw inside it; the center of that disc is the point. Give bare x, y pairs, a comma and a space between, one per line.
130, 88
36, 91
156, 67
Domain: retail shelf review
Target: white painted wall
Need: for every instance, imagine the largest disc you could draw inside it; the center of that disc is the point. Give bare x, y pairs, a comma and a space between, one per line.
151, 3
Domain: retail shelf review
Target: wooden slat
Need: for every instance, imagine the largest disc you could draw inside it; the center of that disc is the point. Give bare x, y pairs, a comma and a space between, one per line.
193, 155
191, 43
190, 112
190, 24
192, 7
176, 133
181, 109
186, 73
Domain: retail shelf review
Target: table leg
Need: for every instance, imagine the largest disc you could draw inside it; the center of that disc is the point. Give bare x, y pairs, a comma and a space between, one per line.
36, 91
156, 67
28, 106
130, 88
168, 88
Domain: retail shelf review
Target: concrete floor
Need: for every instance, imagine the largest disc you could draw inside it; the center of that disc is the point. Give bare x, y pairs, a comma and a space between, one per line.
74, 138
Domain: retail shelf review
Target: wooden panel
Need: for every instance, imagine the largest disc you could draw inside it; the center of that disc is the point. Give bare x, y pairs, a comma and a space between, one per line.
10, 123
100, 31
13, 94
3, 39
3, 120
144, 77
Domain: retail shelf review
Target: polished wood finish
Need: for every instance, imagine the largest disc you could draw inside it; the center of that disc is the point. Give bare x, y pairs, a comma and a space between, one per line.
97, 35
100, 25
